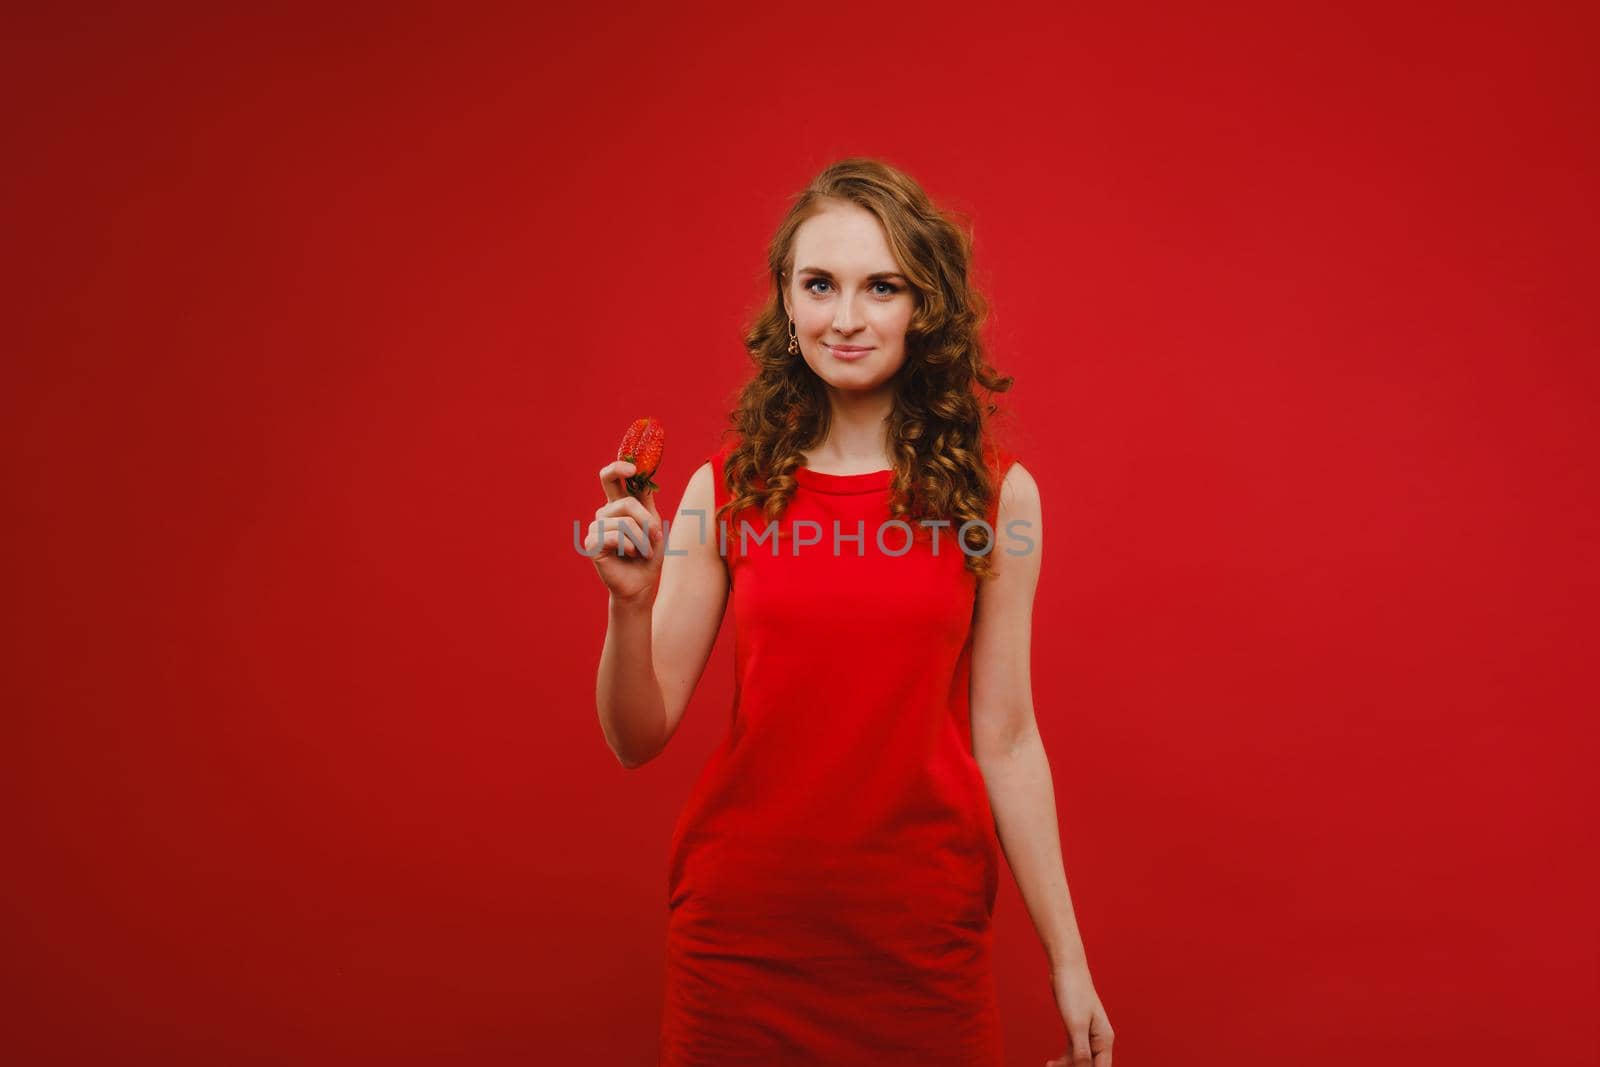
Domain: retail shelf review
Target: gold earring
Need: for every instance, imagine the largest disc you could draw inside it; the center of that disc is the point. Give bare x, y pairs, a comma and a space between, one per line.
794, 341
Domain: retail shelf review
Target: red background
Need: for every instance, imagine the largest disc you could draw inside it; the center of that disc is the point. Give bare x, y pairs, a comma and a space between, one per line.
321, 324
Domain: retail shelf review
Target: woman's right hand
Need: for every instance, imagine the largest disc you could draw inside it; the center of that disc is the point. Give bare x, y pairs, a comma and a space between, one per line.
628, 575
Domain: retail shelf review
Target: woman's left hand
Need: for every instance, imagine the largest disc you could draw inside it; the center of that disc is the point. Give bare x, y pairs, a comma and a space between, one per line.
1088, 1029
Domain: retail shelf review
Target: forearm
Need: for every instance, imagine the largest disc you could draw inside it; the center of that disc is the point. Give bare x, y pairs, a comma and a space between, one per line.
627, 694
1022, 797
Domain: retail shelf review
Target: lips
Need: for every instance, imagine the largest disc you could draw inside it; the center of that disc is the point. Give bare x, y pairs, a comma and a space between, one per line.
848, 351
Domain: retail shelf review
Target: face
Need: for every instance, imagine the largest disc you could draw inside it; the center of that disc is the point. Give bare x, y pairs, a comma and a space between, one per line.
849, 303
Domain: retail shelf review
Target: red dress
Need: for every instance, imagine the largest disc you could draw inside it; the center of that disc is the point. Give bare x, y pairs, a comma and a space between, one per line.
832, 875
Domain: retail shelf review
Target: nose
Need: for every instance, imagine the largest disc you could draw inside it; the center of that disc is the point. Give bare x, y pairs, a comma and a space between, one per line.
844, 318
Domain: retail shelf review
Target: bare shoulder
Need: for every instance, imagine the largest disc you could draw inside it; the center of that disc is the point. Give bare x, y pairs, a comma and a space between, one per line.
695, 514
701, 492
700, 483
1019, 493
1019, 527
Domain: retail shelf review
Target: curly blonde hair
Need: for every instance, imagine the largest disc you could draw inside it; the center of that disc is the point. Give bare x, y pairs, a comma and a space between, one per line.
939, 427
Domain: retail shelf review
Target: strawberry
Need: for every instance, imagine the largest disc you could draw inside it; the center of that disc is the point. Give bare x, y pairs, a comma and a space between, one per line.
641, 446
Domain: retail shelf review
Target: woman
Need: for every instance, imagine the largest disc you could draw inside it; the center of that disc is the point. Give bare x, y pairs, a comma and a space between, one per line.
833, 873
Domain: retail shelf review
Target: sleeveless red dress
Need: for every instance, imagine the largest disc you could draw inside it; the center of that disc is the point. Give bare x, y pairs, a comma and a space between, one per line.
832, 875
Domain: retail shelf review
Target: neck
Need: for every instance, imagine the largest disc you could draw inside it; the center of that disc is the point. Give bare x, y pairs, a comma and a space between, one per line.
858, 431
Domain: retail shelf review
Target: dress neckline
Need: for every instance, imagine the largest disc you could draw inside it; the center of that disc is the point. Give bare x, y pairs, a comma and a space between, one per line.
868, 482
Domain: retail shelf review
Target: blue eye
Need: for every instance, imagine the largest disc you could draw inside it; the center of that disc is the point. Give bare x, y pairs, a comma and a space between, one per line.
890, 286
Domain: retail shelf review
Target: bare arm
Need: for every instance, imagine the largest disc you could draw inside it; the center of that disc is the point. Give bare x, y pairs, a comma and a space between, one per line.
1005, 734
1016, 772
659, 639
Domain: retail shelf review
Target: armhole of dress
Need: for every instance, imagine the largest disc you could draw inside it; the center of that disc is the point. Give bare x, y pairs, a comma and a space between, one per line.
719, 490
719, 496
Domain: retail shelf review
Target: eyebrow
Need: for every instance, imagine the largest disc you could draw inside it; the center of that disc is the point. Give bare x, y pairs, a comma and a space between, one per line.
871, 277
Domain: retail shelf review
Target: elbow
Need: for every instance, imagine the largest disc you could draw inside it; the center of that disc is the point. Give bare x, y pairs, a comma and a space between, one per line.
632, 763
1006, 749
629, 756
648, 751
641, 751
